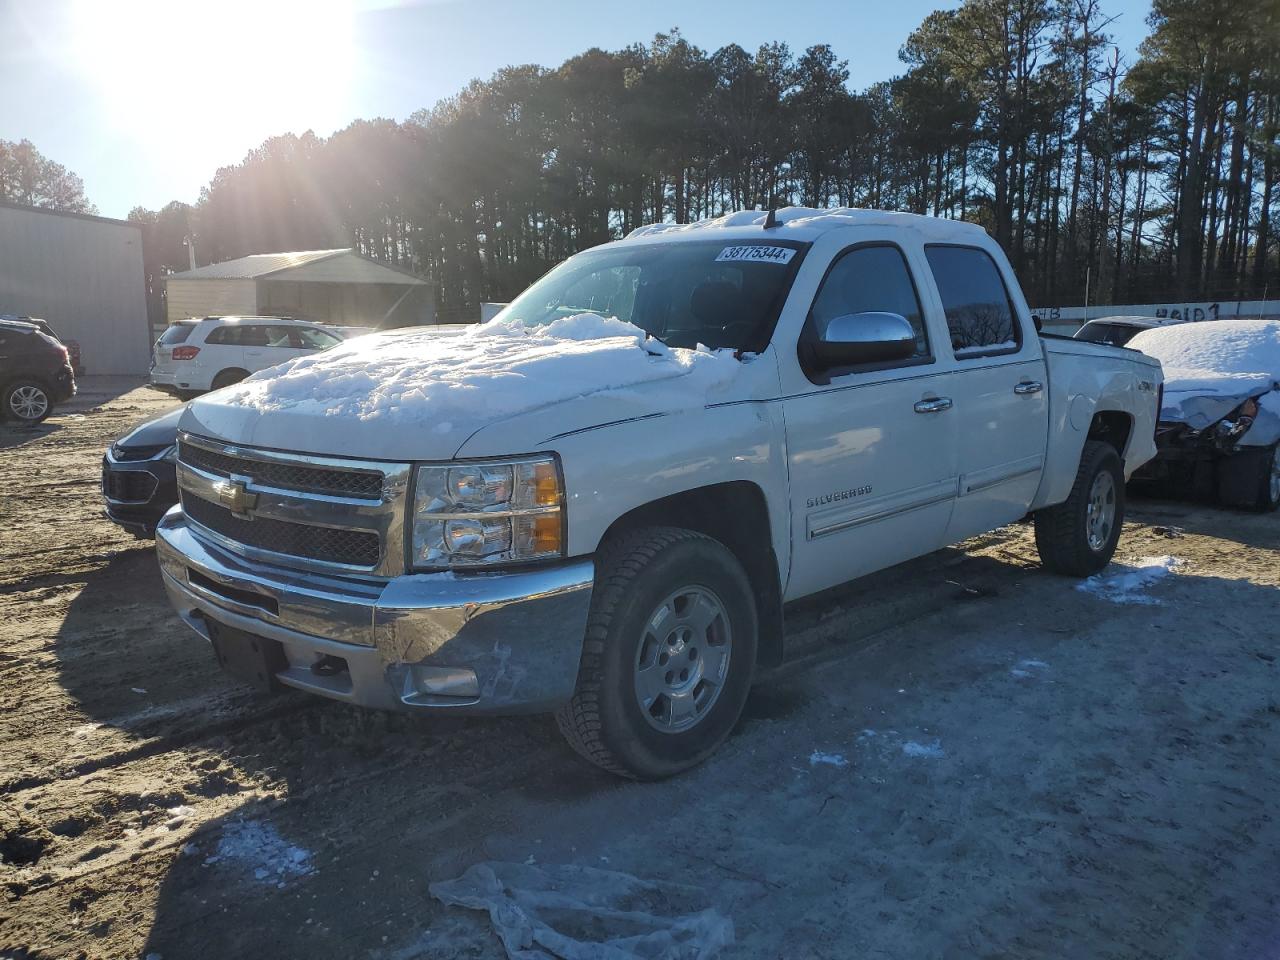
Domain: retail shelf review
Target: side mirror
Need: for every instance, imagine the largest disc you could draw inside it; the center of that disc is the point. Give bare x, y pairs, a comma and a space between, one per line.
870, 337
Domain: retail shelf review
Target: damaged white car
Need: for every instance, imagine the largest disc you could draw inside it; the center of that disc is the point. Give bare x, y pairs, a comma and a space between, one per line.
1220, 416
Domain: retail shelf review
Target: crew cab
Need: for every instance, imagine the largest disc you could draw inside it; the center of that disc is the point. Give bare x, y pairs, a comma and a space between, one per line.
599, 502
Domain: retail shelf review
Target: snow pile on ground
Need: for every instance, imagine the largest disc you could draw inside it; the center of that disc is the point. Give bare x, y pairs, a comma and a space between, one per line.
1215, 356
492, 370
260, 847
542, 912
1122, 583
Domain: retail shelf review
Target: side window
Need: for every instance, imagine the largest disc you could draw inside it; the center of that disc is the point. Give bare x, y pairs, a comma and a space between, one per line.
870, 279
253, 335
277, 336
305, 338
224, 336
979, 313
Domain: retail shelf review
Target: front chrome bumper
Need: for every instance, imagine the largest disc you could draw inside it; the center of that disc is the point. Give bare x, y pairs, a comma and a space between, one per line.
485, 643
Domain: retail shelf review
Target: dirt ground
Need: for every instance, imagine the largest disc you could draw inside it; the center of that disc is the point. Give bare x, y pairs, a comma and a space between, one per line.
966, 757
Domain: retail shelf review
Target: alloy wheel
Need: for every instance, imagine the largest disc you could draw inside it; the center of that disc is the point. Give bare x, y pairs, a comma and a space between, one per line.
1101, 515
683, 659
28, 402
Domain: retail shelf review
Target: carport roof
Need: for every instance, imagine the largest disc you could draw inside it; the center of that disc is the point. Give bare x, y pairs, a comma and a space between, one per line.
260, 265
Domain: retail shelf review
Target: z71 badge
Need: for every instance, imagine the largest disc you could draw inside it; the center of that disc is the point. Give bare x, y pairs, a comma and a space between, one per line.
839, 495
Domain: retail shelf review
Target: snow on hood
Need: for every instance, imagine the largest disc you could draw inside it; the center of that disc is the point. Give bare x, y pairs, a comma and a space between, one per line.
450, 387
1211, 367
1215, 356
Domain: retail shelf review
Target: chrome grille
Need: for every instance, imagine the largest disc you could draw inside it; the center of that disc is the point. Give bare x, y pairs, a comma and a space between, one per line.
299, 510
352, 547
362, 484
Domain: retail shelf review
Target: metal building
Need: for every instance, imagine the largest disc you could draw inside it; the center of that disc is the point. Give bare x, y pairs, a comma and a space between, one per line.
83, 275
325, 286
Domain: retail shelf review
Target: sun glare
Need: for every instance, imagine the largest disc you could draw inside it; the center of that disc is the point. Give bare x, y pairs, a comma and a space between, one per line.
216, 75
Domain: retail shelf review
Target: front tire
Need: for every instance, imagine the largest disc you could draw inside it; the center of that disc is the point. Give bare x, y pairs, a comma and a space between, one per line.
26, 401
669, 654
1078, 537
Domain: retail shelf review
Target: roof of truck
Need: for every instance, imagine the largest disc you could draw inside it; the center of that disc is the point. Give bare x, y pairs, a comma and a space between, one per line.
808, 223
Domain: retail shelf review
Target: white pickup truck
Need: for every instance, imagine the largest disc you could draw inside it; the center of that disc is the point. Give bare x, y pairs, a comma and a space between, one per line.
599, 502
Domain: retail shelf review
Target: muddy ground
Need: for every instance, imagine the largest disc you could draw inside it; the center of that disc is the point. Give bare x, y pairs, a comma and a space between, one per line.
968, 757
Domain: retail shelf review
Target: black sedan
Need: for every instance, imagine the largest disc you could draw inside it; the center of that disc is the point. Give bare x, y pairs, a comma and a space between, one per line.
139, 481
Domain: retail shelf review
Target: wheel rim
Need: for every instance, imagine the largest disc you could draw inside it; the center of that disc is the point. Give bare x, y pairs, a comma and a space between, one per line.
28, 402
1101, 516
683, 659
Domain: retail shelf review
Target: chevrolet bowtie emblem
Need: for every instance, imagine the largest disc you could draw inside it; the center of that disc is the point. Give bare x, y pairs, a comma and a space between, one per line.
233, 495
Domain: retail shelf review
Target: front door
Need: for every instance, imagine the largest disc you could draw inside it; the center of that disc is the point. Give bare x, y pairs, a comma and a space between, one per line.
871, 451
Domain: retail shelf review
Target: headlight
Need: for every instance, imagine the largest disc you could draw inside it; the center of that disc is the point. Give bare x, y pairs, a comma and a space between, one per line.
501, 511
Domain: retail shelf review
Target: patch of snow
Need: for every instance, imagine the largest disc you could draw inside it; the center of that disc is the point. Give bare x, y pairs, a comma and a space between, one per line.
493, 369
258, 845
830, 759
1027, 668
930, 751
1122, 583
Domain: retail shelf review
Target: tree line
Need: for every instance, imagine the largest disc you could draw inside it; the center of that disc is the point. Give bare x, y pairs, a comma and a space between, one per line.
1146, 181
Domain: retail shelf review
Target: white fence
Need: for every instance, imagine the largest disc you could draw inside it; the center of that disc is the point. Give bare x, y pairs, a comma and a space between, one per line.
1070, 319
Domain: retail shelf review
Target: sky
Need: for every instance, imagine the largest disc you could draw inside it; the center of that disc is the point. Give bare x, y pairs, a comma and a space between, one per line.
146, 99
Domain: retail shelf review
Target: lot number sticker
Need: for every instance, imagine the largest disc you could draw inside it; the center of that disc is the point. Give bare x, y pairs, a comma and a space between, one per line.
756, 253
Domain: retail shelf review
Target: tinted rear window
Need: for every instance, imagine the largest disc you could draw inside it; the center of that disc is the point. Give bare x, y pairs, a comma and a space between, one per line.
979, 313
177, 333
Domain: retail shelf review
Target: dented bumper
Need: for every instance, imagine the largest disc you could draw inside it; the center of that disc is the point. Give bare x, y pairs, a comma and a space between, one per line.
483, 643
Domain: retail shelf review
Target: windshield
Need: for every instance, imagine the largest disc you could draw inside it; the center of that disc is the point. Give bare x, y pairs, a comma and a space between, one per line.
718, 293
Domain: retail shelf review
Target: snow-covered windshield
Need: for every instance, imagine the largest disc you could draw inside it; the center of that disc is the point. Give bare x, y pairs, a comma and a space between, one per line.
717, 293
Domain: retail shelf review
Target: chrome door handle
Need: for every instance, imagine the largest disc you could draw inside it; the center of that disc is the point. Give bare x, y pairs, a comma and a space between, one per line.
1028, 386
934, 405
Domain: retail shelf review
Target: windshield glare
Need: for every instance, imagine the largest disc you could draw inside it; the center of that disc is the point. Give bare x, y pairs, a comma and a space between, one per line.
719, 293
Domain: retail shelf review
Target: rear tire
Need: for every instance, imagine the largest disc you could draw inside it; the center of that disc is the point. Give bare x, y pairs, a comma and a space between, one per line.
1250, 478
25, 401
669, 654
227, 377
1078, 537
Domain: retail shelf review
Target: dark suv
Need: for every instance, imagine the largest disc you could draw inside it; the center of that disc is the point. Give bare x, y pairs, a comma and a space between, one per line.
35, 373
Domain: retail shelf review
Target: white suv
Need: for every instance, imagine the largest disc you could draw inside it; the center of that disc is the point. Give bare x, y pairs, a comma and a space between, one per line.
197, 355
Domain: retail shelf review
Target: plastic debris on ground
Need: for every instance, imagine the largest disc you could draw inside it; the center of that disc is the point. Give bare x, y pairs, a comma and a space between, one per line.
1128, 583
583, 913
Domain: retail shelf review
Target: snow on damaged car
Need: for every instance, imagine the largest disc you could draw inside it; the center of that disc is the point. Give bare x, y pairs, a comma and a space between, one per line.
598, 503
1220, 416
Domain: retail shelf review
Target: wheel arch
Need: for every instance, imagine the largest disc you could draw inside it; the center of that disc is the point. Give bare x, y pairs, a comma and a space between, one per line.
735, 513
214, 379
1114, 427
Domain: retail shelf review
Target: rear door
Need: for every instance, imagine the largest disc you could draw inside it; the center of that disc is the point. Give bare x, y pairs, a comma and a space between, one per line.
266, 344
870, 450
999, 390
